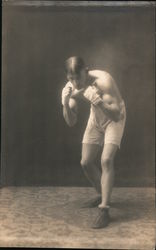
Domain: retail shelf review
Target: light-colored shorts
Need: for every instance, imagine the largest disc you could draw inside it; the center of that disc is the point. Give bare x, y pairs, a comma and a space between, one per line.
111, 132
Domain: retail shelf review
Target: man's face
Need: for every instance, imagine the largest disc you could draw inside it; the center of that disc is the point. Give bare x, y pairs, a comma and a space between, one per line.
78, 80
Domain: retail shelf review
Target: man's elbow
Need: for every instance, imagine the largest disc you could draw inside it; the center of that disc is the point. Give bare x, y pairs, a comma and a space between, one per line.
71, 123
117, 116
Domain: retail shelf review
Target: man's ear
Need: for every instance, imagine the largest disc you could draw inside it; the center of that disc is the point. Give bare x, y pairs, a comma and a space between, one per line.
87, 69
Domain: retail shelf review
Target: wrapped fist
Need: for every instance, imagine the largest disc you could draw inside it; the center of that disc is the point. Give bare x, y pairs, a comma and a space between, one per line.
91, 93
66, 94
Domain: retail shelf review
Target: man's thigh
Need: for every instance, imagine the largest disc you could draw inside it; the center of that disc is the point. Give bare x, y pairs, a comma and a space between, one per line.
92, 134
90, 151
109, 151
114, 133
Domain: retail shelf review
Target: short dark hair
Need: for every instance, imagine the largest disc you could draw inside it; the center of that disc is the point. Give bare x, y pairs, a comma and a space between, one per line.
74, 65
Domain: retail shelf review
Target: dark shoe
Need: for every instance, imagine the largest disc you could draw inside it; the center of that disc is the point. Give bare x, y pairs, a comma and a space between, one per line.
92, 203
103, 219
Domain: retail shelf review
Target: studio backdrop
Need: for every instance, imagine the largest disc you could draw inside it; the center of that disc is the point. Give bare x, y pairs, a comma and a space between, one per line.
37, 146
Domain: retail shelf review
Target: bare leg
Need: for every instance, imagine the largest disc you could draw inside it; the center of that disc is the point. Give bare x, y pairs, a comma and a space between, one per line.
107, 178
93, 173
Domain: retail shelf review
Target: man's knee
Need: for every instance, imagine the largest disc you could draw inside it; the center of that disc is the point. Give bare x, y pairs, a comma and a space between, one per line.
107, 163
85, 163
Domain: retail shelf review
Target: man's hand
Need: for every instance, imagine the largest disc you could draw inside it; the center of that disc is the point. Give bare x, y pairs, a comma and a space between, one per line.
66, 94
69, 106
91, 93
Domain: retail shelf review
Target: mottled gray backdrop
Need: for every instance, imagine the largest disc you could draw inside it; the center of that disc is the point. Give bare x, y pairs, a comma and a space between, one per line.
38, 148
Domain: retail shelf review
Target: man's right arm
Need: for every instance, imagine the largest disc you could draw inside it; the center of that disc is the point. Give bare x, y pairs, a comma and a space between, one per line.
69, 106
70, 112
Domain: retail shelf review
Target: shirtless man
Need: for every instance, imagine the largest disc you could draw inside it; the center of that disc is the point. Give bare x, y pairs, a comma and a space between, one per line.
105, 126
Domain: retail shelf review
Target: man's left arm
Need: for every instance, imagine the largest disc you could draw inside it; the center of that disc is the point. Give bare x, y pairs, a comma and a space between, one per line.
109, 105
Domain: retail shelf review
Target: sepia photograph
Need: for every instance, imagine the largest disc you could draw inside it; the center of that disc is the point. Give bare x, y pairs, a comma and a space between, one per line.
78, 124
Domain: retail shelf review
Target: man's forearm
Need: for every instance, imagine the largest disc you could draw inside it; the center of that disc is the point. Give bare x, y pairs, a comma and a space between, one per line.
113, 114
69, 116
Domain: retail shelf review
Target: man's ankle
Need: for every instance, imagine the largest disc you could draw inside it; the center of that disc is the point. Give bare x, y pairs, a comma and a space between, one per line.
103, 206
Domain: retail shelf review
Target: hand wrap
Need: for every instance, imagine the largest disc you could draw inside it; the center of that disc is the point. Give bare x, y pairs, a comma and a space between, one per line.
92, 95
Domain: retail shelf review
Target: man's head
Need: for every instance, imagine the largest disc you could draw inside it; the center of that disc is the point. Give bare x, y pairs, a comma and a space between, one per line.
76, 71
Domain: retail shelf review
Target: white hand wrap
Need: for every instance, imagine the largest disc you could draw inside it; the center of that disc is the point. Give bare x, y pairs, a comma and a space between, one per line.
91, 94
64, 92
63, 96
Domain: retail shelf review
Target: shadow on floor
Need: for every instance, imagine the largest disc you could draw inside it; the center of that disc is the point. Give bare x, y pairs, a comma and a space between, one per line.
121, 211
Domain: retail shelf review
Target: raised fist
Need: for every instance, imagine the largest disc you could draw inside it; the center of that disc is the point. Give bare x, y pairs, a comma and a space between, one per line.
66, 94
91, 93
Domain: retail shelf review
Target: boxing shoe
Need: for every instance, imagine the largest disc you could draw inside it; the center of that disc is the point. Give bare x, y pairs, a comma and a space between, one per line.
102, 220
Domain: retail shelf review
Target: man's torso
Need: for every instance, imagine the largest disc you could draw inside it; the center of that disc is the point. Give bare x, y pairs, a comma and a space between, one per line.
105, 85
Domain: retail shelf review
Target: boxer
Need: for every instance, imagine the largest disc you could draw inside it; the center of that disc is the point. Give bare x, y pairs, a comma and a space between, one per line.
104, 129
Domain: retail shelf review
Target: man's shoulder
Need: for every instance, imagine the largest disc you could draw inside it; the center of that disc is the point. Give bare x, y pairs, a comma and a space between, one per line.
103, 79
99, 73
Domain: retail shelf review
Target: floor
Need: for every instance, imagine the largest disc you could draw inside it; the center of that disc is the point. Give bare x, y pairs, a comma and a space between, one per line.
52, 217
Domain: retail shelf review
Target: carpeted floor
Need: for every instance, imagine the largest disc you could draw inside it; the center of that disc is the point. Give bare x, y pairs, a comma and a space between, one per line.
52, 217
